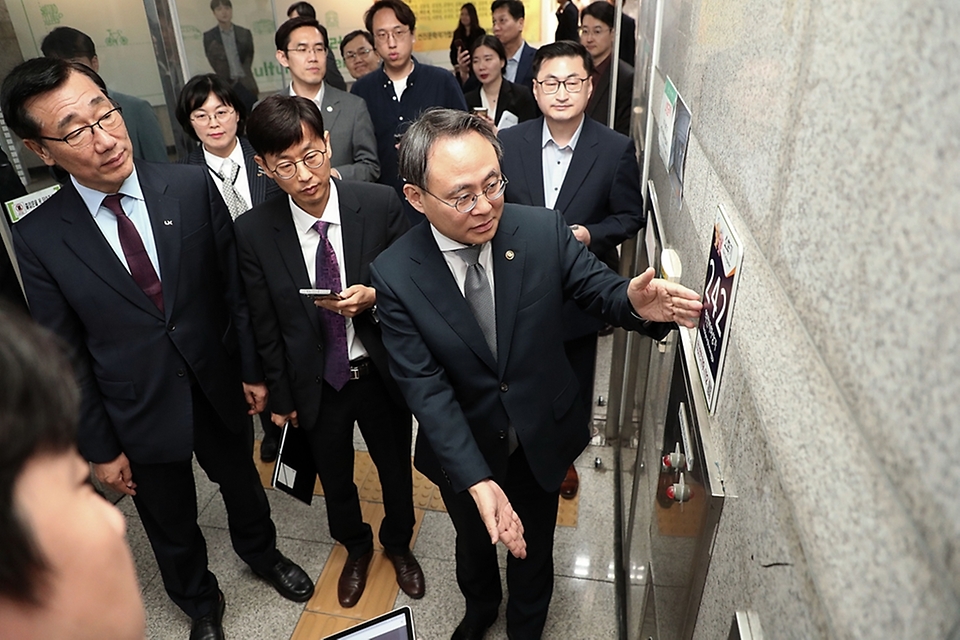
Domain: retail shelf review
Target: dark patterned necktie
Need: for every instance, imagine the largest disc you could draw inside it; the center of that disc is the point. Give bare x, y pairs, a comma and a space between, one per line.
336, 369
137, 259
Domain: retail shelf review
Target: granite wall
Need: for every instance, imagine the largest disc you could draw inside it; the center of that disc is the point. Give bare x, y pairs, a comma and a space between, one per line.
830, 133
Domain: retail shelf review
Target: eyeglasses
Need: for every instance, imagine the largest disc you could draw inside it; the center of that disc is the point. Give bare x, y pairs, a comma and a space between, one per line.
350, 55
596, 31
317, 49
79, 138
312, 160
551, 85
468, 201
397, 33
220, 115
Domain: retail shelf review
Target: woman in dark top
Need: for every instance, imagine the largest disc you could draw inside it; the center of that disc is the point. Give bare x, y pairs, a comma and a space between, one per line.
467, 32
496, 94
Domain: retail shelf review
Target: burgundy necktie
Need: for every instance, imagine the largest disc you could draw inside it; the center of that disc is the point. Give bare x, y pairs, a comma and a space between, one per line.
336, 369
137, 259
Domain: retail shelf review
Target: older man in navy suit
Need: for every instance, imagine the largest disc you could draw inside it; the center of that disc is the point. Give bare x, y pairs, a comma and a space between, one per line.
134, 267
469, 307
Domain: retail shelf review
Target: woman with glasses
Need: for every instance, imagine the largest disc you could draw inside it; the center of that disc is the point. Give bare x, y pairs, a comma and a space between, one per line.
497, 100
212, 114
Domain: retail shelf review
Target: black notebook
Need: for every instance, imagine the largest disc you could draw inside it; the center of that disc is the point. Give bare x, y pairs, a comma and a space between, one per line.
294, 472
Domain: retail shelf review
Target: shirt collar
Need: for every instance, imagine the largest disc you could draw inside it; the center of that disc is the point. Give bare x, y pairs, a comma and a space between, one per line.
331, 213
317, 98
413, 73
445, 243
216, 162
546, 136
93, 198
519, 52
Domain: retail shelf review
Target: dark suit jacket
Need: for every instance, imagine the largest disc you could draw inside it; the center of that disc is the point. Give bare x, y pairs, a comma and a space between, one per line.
463, 397
512, 97
217, 56
135, 363
10, 188
354, 144
568, 23
287, 324
262, 187
599, 106
601, 191
525, 68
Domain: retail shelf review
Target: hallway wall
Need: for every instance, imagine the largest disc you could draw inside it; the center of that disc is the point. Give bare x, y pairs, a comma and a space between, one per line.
830, 133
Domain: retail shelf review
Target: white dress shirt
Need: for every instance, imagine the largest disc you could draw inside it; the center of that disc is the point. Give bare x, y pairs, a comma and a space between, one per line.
219, 172
317, 98
556, 162
458, 266
310, 241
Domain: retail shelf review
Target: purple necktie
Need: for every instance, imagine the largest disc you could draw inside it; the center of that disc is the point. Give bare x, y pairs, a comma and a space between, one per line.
137, 259
336, 369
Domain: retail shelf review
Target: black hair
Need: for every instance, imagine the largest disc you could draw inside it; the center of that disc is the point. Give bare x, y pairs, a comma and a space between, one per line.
303, 9
515, 7
220, 3
39, 405
472, 12
196, 92
358, 33
34, 78
433, 125
602, 11
562, 49
276, 124
401, 10
68, 43
282, 37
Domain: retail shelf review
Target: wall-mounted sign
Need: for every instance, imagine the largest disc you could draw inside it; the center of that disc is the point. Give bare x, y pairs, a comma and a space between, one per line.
665, 117
719, 295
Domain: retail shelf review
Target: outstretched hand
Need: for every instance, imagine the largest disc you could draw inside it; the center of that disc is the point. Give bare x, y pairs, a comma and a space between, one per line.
663, 301
502, 522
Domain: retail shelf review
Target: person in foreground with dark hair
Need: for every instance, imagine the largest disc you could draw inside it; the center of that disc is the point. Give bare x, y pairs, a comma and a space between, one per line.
65, 569
468, 306
332, 74
134, 266
359, 53
326, 366
143, 127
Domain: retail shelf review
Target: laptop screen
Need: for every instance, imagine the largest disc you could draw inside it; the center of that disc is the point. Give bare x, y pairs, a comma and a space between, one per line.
395, 625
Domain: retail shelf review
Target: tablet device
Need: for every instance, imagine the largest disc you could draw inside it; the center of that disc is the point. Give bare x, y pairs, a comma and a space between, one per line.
395, 625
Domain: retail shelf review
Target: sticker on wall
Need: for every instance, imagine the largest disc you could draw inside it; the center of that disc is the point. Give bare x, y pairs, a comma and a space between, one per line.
668, 111
719, 295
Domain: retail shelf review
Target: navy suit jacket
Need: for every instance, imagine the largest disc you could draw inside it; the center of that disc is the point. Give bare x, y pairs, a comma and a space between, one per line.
262, 187
601, 191
463, 396
287, 324
525, 67
135, 363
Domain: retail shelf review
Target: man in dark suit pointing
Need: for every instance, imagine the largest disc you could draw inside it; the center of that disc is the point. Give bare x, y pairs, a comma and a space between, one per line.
469, 308
134, 267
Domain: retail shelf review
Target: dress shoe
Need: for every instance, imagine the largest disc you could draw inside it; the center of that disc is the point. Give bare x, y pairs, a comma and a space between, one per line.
210, 626
409, 573
288, 579
268, 449
570, 484
353, 580
470, 631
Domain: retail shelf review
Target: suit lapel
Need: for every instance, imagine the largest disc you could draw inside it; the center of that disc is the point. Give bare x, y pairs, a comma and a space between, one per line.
330, 109
164, 212
533, 162
584, 156
258, 186
509, 257
351, 223
288, 245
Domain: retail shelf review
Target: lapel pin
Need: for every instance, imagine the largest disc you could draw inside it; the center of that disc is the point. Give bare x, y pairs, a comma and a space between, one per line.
329, 108
509, 254
168, 223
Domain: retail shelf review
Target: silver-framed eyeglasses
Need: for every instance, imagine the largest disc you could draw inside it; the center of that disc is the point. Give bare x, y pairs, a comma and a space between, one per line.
551, 85
350, 55
220, 115
468, 201
397, 33
595, 32
79, 138
312, 160
318, 49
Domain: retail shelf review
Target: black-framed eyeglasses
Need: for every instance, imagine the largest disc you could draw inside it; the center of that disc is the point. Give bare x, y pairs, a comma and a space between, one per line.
79, 138
551, 85
350, 55
468, 201
397, 33
317, 49
312, 160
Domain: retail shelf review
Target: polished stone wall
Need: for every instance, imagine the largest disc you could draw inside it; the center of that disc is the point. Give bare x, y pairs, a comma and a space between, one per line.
830, 133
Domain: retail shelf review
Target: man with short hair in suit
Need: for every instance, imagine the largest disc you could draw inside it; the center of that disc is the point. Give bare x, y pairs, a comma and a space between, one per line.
325, 365
508, 18
134, 266
353, 146
468, 306
571, 163
229, 50
332, 76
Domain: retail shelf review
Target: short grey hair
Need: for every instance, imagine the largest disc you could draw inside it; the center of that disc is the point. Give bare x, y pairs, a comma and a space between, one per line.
434, 124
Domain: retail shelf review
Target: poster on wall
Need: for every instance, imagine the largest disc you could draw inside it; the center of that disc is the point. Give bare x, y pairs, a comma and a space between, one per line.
719, 295
665, 117
678, 147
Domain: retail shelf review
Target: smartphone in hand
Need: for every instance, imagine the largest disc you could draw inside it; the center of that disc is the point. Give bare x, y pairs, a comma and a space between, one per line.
320, 294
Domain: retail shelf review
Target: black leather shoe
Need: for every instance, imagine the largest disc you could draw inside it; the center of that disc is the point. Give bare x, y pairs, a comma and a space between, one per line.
470, 631
353, 580
288, 579
210, 626
409, 573
268, 449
